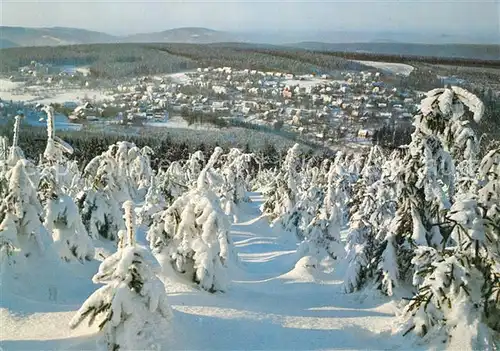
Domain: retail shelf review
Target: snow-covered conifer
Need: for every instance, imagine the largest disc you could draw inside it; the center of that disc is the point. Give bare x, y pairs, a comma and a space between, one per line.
193, 234
172, 182
63, 221
153, 203
194, 166
99, 209
22, 212
321, 238
131, 308
15, 152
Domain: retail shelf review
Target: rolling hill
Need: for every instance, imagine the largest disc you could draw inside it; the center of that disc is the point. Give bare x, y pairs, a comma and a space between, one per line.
21, 36
194, 35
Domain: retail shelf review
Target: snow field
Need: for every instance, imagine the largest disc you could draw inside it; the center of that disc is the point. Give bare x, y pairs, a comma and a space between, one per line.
270, 305
396, 68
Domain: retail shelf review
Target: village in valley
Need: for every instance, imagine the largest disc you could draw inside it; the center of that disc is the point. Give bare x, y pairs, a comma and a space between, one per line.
320, 108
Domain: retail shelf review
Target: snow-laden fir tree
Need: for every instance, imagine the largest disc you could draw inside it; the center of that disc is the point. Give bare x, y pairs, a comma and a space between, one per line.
153, 203
140, 169
283, 201
309, 200
128, 170
321, 238
131, 308
338, 192
372, 168
63, 221
62, 218
193, 166
99, 209
4, 149
21, 227
15, 152
372, 208
458, 299
425, 189
54, 157
235, 172
287, 193
193, 234
264, 182
172, 182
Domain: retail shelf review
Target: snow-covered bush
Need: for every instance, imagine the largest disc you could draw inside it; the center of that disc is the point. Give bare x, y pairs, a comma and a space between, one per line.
193, 235
131, 308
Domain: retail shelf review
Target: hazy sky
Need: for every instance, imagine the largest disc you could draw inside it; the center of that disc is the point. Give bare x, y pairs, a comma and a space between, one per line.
126, 17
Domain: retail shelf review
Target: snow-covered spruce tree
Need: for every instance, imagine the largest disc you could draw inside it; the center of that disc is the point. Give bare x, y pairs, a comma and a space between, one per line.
458, 297
321, 238
360, 243
153, 203
288, 193
15, 152
127, 167
235, 172
193, 234
21, 225
447, 234
372, 210
353, 164
131, 308
264, 181
4, 148
338, 193
63, 221
372, 168
99, 209
62, 218
286, 185
425, 188
54, 156
193, 166
140, 169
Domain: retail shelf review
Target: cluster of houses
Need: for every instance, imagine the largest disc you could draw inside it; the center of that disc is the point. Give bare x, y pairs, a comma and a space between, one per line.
320, 107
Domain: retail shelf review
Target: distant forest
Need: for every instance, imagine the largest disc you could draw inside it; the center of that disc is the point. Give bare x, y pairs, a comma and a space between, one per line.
127, 60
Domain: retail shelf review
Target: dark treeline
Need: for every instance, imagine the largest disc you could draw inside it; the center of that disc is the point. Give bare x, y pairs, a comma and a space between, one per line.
392, 137
412, 59
88, 145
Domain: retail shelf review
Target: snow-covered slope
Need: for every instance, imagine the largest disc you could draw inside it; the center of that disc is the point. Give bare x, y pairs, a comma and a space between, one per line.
395, 68
272, 304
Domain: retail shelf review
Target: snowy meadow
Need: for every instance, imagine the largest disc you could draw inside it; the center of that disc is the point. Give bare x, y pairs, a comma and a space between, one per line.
385, 249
